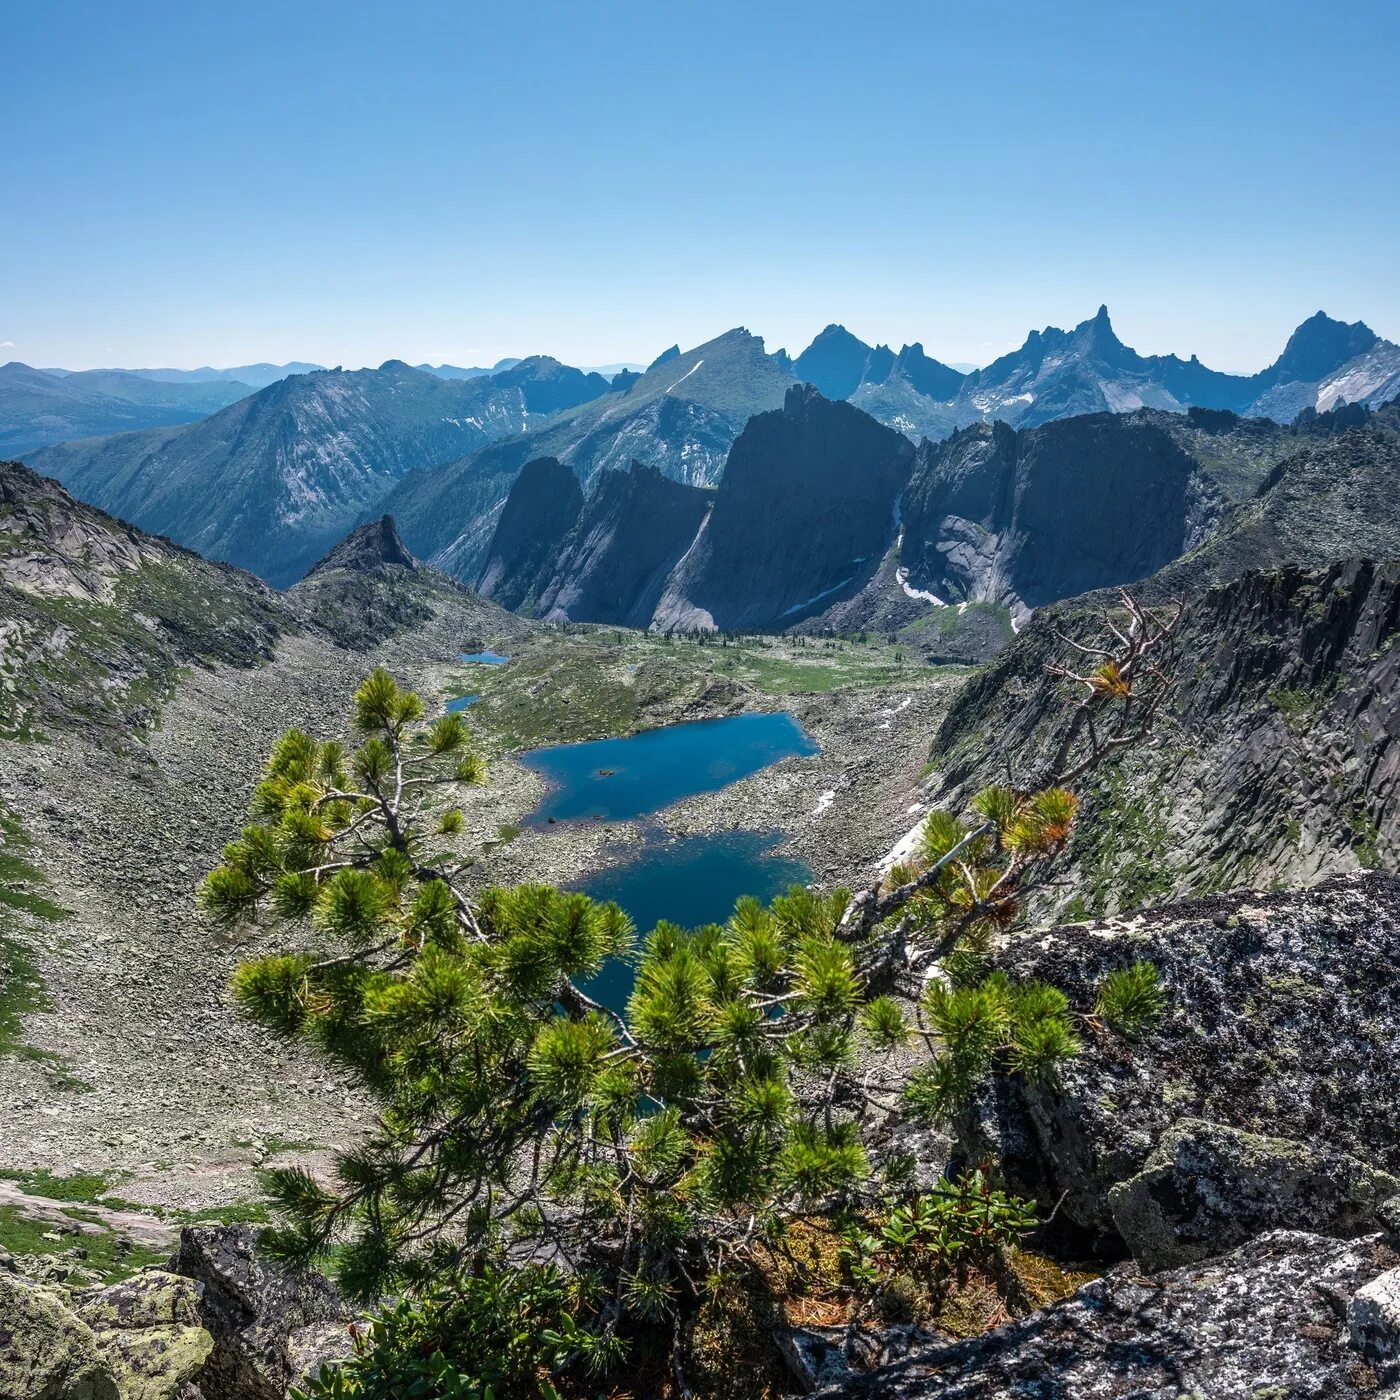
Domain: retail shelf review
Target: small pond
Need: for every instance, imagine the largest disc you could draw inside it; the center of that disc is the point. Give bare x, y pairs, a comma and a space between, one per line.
485, 658
619, 779
460, 703
691, 881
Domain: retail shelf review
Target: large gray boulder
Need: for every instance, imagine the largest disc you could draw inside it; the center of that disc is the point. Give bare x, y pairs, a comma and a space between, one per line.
272, 1326
1206, 1188
1266, 1322
1283, 1014
46, 1353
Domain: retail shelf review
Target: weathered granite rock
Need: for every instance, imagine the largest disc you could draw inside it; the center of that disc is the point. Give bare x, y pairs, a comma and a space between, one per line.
826, 1358
149, 1332
1283, 1013
46, 1353
1206, 1188
1374, 1318
1267, 1322
272, 1327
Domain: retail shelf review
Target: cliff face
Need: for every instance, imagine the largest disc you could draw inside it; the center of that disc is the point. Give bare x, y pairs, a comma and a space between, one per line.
613, 566
1025, 518
803, 514
1276, 758
543, 506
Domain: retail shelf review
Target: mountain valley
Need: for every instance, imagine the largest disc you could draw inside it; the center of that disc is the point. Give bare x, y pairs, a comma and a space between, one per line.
928, 618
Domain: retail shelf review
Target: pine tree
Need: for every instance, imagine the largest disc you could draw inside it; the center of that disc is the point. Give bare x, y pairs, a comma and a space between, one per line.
647, 1153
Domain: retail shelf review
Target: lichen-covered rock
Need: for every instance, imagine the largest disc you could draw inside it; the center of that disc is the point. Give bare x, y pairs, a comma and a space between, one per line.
827, 1358
1282, 1017
271, 1326
148, 1330
1374, 1318
1267, 1322
1206, 1188
46, 1353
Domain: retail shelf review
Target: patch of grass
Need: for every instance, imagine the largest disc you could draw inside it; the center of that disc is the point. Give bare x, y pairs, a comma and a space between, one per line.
1122, 845
22, 989
17, 876
1296, 707
1367, 838
107, 1253
84, 1187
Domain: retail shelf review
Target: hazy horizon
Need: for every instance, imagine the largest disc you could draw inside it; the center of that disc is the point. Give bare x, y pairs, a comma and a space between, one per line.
449, 184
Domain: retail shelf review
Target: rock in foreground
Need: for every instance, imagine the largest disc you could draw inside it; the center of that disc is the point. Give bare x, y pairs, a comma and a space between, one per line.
1282, 1017
1267, 1322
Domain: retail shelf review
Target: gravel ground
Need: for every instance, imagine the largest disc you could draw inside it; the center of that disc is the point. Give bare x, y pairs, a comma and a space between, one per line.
164, 1087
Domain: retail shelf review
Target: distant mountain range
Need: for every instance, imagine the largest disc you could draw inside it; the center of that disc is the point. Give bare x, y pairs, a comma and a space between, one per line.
270, 482
39, 407
1057, 374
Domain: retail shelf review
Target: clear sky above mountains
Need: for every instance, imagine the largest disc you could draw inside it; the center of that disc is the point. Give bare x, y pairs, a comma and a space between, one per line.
346, 182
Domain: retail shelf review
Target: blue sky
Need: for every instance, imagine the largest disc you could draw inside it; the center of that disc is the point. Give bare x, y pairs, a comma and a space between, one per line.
348, 182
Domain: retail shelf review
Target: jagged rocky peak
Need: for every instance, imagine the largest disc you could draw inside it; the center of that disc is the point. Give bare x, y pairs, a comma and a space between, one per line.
549, 386
929, 376
835, 362
1318, 347
53, 546
374, 548
615, 561
665, 357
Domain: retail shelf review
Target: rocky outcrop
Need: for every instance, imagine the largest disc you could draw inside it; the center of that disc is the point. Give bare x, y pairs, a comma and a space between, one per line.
96, 616
1277, 758
271, 1327
803, 515
614, 563
1206, 1188
1373, 1319
1282, 1014
836, 362
47, 1353
1268, 1320
148, 1331
543, 506
1027, 518
375, 548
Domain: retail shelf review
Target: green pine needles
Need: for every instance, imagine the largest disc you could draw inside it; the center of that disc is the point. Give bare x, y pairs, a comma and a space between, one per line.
640, 1156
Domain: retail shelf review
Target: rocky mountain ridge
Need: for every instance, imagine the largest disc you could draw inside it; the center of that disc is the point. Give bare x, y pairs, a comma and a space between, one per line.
311, 455
1058, 374
99, 617
274, 480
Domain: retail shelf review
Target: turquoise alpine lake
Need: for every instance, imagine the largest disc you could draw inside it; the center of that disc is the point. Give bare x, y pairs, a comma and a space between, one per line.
691, 881
620, 779
460, 703
485, 658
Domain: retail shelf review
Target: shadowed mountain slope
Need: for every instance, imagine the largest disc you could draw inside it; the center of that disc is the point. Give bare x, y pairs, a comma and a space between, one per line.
613, 562
804, 512
272, 481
